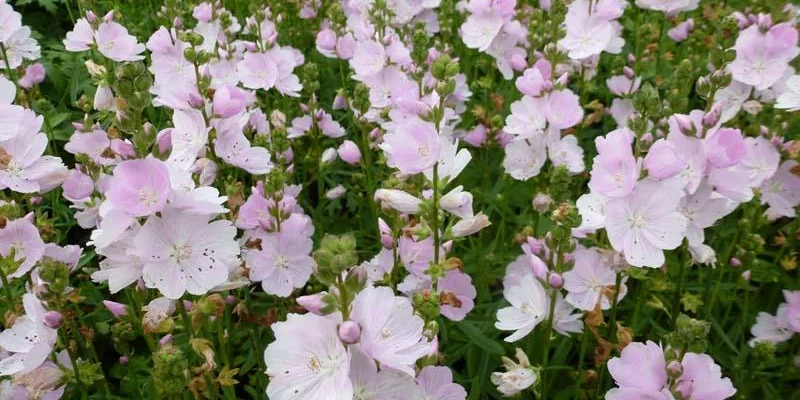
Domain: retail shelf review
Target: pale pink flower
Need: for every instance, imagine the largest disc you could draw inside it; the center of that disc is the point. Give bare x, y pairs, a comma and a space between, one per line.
390, 331
702, 379
368, 59
26, 164
621, 85
534, 80
663, 160
283, 263
567, 152
114, 42
22, 236
762, 58
184, 252
413, 146
782, 191
587, 281
646, 222
257, 71
416, 255
682, 31
724, 147
81, 36
371, 384
94, 144
398, 200
614, 171
702, 209
640, 372
229, 101
563, 109
457, 288
436, 383
34, 74
307, 360
10, 22
139, 187
772, 328
349, 152
528, 116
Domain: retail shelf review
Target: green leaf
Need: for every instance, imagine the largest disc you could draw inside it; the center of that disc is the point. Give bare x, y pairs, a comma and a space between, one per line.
476, 336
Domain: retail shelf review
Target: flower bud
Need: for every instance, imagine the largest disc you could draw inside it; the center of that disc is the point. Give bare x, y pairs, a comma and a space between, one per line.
735, 263
52, 319
116, 309
349, 332
312, 303
123, 360
711, 118
628, 72
349, 152
555, 280
328, 156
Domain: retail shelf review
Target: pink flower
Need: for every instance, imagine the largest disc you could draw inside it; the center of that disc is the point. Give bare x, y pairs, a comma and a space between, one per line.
591, 33
682, 31
725, 147
229, 101
563, 109
284, 261
257, 71
139, 187
413, 146
94, 144
646, 222
80, 38
329, 127
77, 186
792, 317
349, 152
702, 379
307, 360
21, 236
614, 171
436, 383
762, 58
326, 42
663, 160
457, 294
390, 331
34, 74
640, 372
782, 191
621, 85
416, 255
202, 12
25, 167
772, 328
184, 252
114, 42
10, 22
368, 59
117, 309
534, 80
588, 280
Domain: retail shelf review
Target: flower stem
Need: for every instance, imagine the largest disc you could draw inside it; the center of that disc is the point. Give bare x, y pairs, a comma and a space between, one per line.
547, 341
7, 290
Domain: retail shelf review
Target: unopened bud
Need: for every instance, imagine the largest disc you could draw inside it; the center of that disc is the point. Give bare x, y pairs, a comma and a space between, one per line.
349, 332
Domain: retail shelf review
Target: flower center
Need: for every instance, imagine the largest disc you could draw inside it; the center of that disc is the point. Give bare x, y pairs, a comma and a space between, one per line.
148, 196
636, 220
281, 262
181, 253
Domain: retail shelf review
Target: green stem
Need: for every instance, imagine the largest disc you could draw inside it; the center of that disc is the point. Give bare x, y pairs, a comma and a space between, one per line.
676, 299
548, 334
435, 216
187, 322
7, 290
724, 262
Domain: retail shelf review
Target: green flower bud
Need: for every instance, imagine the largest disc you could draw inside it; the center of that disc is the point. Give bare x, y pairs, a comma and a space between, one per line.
170, 371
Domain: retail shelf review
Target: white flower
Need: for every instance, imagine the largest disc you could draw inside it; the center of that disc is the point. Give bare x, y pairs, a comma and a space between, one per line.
182, 252
525, 157
790, 100
528, 307
307, 360
772, 328
29, 339
457, 202
646, 222
398, 200
471, 225
567, 152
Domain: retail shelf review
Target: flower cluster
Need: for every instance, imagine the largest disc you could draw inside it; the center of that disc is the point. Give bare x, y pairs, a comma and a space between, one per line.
323, 199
